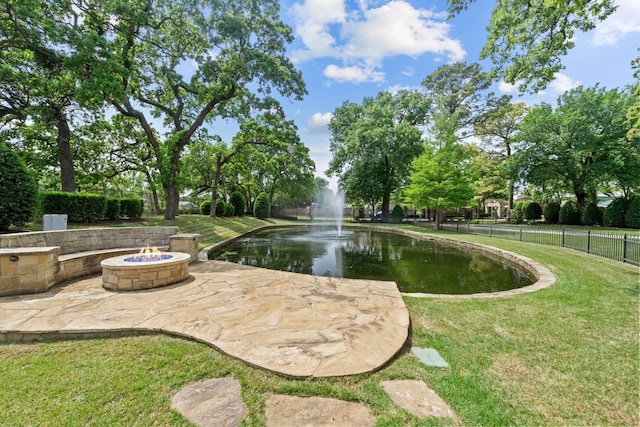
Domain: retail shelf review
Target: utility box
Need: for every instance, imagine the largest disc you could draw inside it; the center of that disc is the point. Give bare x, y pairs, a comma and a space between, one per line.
54, 222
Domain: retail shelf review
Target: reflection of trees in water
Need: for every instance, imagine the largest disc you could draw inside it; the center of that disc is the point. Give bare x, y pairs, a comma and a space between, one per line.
275, 254
416, 265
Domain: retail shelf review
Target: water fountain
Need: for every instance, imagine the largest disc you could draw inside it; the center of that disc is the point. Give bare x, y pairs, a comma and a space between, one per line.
332, 205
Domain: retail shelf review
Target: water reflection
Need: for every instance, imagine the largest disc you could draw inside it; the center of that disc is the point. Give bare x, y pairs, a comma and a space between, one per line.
416, 265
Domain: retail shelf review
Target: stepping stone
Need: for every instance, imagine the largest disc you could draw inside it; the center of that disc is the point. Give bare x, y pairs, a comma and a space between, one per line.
284, 411
215, 403
430, 357
417, 398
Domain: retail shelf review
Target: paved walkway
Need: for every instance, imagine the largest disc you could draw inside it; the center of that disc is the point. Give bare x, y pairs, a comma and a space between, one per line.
293, 324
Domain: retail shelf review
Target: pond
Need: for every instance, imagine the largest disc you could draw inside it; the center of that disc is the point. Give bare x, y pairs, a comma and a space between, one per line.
416, 265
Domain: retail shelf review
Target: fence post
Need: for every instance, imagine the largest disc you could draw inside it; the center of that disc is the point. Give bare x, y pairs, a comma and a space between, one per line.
490, 230
588, 241
563, 237
457, 225
624, 247
521, 232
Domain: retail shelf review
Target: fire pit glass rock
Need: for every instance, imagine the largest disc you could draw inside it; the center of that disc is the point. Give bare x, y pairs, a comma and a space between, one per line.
144, 271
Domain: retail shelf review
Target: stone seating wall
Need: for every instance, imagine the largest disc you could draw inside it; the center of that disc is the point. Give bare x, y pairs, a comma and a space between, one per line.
33, 262
91, 239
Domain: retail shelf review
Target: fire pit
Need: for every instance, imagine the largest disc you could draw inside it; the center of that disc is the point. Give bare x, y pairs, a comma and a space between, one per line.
144, 271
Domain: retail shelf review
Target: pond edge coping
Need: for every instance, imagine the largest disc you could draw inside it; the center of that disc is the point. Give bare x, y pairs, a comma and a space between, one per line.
543, 276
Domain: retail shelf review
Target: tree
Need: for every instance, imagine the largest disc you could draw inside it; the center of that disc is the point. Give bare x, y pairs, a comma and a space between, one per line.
581, 145
269, 131
238, 49
374, 143
527, 39
17, 190
39, 85
261, 208
497, 128
439, 179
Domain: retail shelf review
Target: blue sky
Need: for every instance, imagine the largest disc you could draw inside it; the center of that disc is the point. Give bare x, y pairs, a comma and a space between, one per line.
351, 49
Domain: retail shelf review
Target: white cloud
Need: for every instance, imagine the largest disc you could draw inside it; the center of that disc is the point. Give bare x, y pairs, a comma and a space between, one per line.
368, 35
563, 83
319, 122
505, 87
625, 20
353, 74
397, 28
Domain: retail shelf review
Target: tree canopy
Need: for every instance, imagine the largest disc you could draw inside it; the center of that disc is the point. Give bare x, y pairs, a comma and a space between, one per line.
374, 143
526, 39
580, 146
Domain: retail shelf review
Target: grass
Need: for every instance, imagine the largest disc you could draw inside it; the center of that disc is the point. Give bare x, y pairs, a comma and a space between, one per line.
565, 355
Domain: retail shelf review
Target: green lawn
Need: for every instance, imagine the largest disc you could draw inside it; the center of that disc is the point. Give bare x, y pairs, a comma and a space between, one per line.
565, 355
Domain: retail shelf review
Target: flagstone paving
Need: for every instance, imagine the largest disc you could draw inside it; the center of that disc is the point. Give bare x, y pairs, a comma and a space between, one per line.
293, 324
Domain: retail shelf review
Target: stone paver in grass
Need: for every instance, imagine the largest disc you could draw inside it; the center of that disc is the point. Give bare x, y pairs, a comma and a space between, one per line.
211, 403
430, 357
416, 397
293, 411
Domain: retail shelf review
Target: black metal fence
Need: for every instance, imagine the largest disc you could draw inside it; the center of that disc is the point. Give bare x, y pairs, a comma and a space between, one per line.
620, 247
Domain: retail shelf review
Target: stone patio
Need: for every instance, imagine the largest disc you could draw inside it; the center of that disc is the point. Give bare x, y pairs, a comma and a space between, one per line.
292, 324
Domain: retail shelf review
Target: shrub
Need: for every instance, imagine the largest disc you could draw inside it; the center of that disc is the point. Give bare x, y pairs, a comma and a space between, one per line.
532, 211
17, 190
205, 207
570, 213
632, 217
228, 209
614, 215
552, 213
261, 206
591, 215
237, 201
113, 209
397, 213
79, 207
517, 216
131, 207
220, 207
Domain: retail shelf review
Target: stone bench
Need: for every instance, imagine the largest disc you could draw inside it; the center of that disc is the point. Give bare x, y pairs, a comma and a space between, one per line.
33, 262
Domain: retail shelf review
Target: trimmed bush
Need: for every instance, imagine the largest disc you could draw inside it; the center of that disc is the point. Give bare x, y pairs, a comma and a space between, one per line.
131, 208
552, 213
614, 216
517, 216
570, 213
228, 209
237, 201
532, 211
220, 207
261, 206
79, 207
591, 215
397, 214
17, 190
205, 207
632, 217
113, 209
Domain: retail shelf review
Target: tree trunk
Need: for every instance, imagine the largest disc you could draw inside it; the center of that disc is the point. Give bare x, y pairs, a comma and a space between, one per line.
510, 206
173, 199
581, 197
214, 187
65, 158
385, 207
156, 201
438, 218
